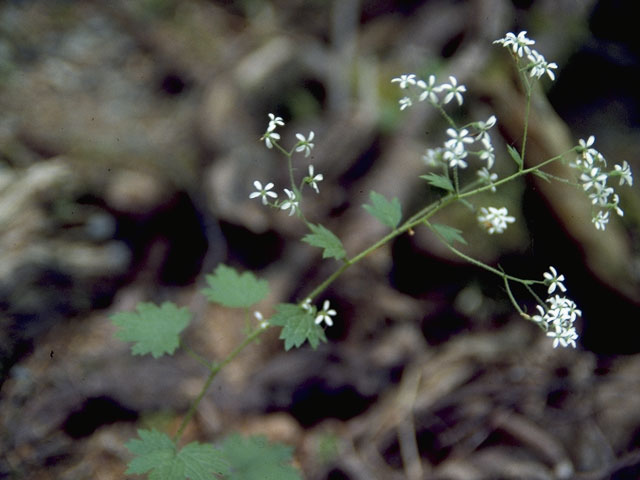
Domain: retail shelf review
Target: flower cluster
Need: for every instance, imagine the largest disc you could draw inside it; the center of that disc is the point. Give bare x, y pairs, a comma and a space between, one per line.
472, 139
462, 143
323, 315
519, 45
292, 200
593, 176
495, 220
429, 90
559, 314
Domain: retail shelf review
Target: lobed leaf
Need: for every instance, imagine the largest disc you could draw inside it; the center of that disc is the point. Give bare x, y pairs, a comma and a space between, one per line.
450, 234
298, 325
156, 452
440, 181
387, 212
254, 458
323, 238
230, 289
154, 329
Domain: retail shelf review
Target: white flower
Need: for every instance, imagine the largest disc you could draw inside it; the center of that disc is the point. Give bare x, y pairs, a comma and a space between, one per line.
488, 177
601, 195
615, 204
484, 126
495, 220
483, 129
487, 153
306, 305
269, 137
587, 154
405, 80
429, 89
314, 179
453, 90
458, 138
519, 44
405, 102
325, 314
600, 220
274, 122
540, 317
292, 202
625, 173
540, 66
304, 144
558, 318
562, 308
593, 179
263, 192
455, 155
554, 280
432, 156
261, 321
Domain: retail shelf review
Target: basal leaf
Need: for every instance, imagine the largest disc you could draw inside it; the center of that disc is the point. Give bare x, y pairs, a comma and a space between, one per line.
254, 458
388, 212
440, 181
325, 239
155, 452
450, 234
154, 329
229, 288
298, 325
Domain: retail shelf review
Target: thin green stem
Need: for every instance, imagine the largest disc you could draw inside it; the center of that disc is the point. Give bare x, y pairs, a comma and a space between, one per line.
472, 260
280, 148
214, 370
456, 181
511, 297
526, 125
423, 215
195, 355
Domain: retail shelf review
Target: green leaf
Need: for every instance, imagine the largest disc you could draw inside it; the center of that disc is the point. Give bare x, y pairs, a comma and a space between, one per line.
155, 329
388, 212
298, 325
466, 203
515, 155
542, 175
254, 458
450, 234
440, 181
230, 289
325, 239
157, 453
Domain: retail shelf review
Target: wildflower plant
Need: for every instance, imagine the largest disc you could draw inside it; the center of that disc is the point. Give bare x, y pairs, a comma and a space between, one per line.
155, 329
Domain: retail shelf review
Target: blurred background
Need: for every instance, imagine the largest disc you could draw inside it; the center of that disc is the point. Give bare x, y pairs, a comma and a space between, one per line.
129, 142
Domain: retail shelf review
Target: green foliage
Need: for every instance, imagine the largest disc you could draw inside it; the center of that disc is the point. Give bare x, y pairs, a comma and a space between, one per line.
157, 453
254, 458
440, 181
450, 234
298, 326
155, 329
388, 212
323, 238
542, 175
515, 155
230, 289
